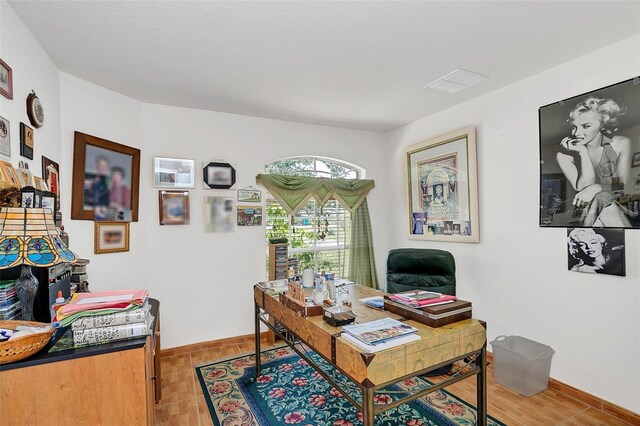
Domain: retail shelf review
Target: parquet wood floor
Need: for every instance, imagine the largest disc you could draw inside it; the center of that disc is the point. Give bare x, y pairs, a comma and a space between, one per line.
183, 403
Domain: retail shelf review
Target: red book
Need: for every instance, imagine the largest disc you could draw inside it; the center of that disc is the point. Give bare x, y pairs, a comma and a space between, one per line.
424, 302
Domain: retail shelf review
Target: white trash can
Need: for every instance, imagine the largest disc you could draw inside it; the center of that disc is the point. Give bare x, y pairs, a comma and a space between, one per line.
521, 364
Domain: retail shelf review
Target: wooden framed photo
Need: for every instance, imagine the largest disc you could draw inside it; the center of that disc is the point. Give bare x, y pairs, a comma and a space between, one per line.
173, 172
111, 237
5, 137
6, 80
590, 139
173, 207
106, 175
51, 176
219, 175
443, 188
8, 176
26, 141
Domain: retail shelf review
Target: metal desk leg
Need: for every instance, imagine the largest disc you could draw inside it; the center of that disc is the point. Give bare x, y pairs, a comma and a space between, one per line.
257, 337
481, 386
368, 416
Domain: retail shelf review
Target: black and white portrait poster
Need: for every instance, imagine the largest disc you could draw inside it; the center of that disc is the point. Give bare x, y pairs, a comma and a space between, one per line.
587, 148
596, 250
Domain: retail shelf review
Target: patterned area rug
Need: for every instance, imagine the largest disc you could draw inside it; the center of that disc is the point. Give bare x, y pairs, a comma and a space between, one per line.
290, 392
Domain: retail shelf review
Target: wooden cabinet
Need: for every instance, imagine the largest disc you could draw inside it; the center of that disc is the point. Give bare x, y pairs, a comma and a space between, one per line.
111, 384
278, 261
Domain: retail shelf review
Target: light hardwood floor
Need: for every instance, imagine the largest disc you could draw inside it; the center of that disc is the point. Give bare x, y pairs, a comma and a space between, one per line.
183, 402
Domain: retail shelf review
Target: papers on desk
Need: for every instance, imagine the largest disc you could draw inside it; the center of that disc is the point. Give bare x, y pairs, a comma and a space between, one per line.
376, 302
381, 346
379, 331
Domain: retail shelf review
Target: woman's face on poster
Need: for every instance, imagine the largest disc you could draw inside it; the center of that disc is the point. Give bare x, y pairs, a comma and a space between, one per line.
590, 246
586, 127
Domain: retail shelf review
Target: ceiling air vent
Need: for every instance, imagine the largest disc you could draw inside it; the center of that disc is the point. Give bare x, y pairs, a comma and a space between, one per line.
456, 81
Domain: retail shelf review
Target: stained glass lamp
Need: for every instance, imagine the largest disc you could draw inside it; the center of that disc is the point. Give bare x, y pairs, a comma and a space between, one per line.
28, 237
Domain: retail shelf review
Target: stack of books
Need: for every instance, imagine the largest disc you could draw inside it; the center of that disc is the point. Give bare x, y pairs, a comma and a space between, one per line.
434, 310
106, 316
9, 304
79, 276
380, 334
420, 298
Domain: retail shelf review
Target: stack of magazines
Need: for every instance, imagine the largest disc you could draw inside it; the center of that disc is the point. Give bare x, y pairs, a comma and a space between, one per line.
9, 303
104, 317
380, 334
421, 298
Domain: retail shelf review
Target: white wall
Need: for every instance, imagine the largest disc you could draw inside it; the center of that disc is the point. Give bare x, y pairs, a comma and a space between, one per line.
517, 276
32, 70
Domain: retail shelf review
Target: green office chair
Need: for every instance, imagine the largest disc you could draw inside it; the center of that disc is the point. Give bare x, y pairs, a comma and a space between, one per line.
422, 269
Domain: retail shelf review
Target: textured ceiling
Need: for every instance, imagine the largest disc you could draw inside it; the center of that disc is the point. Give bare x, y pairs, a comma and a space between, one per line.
358, 65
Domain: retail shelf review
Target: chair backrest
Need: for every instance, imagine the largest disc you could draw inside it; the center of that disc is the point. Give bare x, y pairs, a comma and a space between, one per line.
421, 269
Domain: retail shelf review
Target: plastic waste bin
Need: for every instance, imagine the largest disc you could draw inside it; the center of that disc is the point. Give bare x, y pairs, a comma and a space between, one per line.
521, 364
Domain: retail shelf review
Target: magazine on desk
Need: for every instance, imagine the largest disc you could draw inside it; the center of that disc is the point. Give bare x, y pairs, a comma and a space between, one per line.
378, 331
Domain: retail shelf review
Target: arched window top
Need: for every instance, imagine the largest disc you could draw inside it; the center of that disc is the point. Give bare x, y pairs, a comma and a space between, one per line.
316, 167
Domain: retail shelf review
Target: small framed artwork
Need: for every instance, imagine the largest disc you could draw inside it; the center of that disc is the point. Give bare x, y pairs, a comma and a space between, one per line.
8, 175
443, 188
26, 141
5, 137
6, 80
173, 207
35, 111
635, 162
28, 199
249, 195
219, 214
48, 201
596, 251
106, 175
173, 172
24, 176
111, 237
219, 175
51, 175
39, 183
249, 215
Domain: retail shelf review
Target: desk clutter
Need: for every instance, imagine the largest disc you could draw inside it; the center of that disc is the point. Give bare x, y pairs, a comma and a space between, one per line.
429, 308
9, 303
107, 316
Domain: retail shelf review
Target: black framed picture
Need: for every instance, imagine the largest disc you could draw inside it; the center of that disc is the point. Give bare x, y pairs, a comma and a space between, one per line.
26, 141
219, 175
587, 146
596, 251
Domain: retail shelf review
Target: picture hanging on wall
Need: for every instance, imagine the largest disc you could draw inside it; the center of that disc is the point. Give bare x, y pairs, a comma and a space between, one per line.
173, 172
218, 175
596, 250
173, 207
111, 237
51, 176
26, 141
587, 144
5, 137
249, 215
249, 195
6, 80
443, 188
219, 214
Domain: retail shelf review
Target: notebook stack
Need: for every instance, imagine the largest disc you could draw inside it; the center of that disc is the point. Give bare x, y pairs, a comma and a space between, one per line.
79, 276
429, 308
106, 316
9, 303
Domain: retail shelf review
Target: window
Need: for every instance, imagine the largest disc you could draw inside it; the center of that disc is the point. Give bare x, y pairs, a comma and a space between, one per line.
318, 235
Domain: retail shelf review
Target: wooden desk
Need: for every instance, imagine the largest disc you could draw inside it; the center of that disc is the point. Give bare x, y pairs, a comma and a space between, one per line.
373, 372
110, 384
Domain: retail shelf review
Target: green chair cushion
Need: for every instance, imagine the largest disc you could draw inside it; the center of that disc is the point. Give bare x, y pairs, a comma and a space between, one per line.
421, 269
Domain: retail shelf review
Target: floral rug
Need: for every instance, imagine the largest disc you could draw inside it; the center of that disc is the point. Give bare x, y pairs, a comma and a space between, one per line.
289, 391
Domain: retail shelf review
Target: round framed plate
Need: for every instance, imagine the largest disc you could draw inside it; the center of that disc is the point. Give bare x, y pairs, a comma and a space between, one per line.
35, 110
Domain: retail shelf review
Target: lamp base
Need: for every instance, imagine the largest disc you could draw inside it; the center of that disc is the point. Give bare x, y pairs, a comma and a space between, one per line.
26, 287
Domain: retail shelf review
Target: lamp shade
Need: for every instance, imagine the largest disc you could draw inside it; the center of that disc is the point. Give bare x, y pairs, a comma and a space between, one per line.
29, 237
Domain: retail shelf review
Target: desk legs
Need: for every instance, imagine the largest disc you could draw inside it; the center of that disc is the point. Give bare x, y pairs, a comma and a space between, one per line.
257, 337
481, 398
368, 416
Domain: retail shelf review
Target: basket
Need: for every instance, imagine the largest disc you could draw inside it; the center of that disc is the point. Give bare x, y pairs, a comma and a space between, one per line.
23, 347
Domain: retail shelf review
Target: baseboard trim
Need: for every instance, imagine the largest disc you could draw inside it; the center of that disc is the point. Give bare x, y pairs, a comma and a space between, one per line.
212, 344
591, 400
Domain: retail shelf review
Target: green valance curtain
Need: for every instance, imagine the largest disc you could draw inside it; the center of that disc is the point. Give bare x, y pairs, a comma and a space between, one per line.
293, 192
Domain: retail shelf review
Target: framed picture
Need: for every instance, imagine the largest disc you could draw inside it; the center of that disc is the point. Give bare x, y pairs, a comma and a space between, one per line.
590, 139
6, 80
26, 141
39, 184
219, 175
443, 188
25, 177
48, 201
635, 161
28, 198
249, 215
105, 175
173, 172
219, 214
5, 137
596, 251
8, 175
249, 195
111, 237
51, 176
173, 207
35, 111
